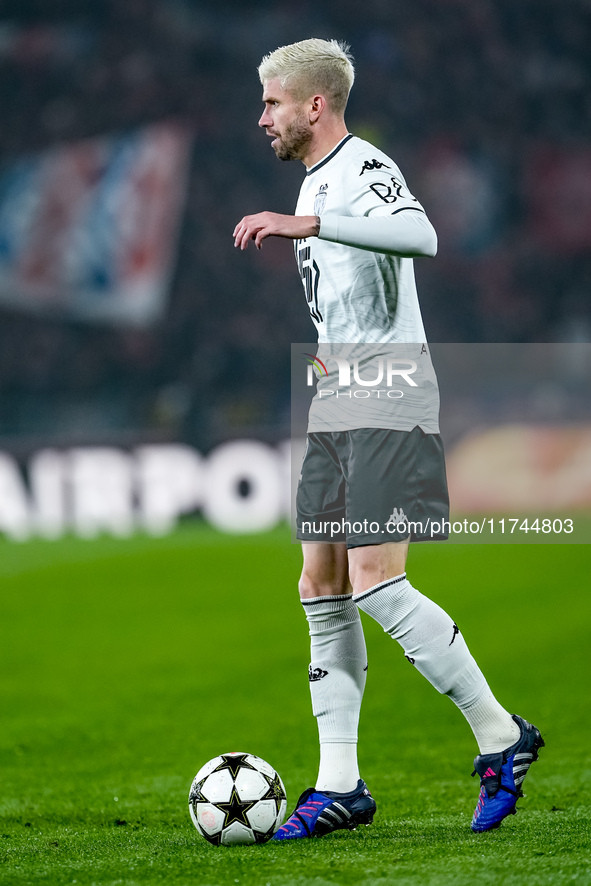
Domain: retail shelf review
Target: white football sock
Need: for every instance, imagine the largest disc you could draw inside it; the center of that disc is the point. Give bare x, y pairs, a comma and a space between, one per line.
433, 643
337, 679
338, 770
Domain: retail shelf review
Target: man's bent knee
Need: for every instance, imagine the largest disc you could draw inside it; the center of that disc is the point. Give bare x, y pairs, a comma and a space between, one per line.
372, 564
311, 586
325, 571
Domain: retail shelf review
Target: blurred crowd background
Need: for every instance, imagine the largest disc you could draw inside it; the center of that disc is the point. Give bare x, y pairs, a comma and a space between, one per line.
484, 104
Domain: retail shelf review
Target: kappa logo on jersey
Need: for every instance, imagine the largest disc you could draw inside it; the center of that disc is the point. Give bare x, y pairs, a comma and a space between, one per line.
320, 200
391, 193
372, 164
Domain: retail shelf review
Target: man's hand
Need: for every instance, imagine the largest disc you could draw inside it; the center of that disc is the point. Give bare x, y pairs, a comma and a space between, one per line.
271, 224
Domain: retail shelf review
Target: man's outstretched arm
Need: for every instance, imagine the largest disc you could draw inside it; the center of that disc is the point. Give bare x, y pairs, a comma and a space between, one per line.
405, 233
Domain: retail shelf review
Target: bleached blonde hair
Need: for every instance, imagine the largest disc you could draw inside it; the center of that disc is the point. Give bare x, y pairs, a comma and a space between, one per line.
312, 66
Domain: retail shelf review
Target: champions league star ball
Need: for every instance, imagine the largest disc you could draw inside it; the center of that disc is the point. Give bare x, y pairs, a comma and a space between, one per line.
237, 798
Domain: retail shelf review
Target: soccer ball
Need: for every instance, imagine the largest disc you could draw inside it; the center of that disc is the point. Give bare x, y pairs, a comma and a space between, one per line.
237, 798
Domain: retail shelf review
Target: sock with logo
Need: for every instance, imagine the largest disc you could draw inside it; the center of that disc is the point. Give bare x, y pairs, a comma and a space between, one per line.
337, 679
432, 642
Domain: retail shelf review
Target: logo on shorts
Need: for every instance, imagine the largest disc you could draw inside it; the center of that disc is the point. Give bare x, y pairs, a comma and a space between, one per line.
397, 518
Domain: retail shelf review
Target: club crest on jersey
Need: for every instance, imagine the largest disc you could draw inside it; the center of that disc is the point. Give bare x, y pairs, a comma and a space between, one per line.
320, 200
372, 164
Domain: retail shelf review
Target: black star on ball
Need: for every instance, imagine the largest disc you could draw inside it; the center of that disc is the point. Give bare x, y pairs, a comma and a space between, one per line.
234, 762
236, 810
275, 791
196, 793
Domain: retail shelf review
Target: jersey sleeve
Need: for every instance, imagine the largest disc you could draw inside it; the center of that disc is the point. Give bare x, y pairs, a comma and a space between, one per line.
377, 187
381, 214
409, 234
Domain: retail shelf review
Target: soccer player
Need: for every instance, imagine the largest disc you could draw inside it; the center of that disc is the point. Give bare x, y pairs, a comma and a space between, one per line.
356, 229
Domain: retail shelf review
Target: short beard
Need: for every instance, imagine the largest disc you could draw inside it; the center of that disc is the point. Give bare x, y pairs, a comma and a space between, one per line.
292, 145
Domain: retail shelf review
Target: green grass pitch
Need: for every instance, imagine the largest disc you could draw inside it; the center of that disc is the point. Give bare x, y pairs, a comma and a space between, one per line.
125, 665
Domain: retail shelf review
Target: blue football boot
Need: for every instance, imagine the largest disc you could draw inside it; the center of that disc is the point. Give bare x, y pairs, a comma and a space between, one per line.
501, 777
321, 812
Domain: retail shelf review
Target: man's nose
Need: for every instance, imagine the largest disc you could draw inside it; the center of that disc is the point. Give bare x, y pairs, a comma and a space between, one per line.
265, 119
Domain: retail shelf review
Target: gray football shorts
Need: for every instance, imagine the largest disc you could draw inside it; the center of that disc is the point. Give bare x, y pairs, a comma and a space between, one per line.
369, 486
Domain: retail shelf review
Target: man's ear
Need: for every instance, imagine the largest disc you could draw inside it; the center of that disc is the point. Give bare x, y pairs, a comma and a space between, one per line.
316, 106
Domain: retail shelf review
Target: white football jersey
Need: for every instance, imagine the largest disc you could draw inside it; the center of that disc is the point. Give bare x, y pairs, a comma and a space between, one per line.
356, 295
361, 296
